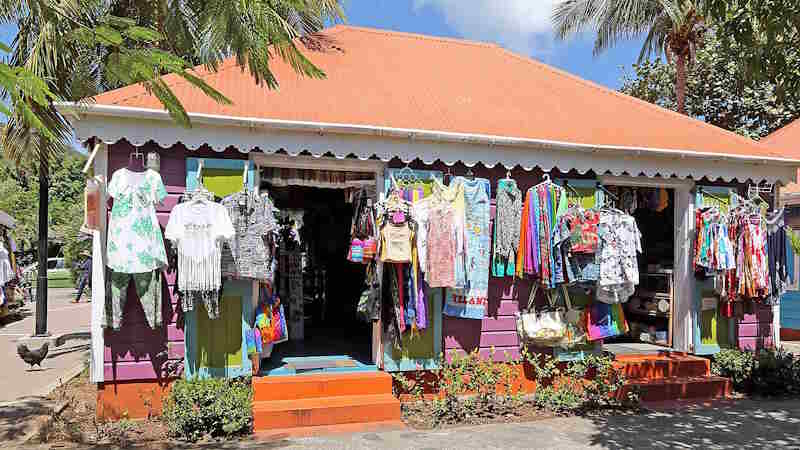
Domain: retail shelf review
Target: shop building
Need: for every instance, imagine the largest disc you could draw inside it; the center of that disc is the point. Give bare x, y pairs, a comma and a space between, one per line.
401, 106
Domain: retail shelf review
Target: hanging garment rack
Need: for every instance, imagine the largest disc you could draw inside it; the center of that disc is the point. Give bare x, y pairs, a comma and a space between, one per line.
712, 195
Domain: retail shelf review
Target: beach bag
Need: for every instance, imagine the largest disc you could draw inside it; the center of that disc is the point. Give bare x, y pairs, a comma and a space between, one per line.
575, 320
543, 328
605, 320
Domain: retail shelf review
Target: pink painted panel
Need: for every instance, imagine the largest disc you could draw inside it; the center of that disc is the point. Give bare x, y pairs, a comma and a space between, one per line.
140, 351
499, 353
141, 332
168, 203
487, 339
755, 343
754, 329
134, 370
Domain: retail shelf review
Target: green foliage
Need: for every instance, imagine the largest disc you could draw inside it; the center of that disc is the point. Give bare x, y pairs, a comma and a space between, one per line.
577, 386
19, 196
468, 389
718, 92
768, 372
196, 409
763, 38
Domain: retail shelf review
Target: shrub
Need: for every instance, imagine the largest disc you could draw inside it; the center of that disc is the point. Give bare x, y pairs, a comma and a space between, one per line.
197, 409
768, 372
736, 365
577, 386
469, 389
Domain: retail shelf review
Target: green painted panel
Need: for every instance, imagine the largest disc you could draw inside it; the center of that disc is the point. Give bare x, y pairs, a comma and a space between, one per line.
220, 340
222, 182
418, 345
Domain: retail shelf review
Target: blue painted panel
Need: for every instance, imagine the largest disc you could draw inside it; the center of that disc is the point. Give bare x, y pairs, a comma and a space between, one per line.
790, 310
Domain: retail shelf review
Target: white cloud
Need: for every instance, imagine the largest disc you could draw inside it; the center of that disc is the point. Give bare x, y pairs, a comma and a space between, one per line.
520, 25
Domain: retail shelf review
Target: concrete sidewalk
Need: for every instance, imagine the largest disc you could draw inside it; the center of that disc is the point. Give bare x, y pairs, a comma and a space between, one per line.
758, 424
19, 380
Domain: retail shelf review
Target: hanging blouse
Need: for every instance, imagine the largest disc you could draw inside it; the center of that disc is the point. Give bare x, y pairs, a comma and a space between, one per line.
776, 255
454, 196
506, 227
442, 247
620, 240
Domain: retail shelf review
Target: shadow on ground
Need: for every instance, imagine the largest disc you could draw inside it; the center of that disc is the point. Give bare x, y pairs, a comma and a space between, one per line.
763, 424
15, 420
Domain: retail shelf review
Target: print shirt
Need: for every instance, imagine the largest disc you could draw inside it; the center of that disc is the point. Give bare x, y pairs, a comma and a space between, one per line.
250, 253
198, 228
135, 243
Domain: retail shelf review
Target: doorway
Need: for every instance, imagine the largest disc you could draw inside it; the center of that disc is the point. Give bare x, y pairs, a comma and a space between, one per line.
318, 287
649, 311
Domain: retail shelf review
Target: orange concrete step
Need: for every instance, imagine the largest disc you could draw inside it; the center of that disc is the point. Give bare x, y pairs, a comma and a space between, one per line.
320, 385
680, 388
660, 367
319, 411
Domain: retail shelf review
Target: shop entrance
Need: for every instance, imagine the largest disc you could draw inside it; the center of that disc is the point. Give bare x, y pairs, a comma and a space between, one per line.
650, 310
318, 287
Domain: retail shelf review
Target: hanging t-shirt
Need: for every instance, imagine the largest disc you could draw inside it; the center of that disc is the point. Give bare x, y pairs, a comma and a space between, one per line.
135, 244
198, 228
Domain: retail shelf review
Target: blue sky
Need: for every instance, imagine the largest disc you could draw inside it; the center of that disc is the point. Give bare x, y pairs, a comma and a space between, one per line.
519, 25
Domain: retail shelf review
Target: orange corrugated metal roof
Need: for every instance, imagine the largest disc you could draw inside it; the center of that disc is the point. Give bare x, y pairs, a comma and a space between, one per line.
787, 141
400, 80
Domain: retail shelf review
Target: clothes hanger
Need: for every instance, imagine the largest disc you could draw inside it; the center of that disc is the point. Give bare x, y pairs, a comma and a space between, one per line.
469, 175
200, 194
547, 180
134, 155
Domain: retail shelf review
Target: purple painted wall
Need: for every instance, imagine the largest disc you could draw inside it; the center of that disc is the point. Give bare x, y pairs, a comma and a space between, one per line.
754, 328
137, 352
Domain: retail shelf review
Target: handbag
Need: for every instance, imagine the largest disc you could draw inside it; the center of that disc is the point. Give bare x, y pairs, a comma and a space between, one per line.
605, 320
542, 328
575, 319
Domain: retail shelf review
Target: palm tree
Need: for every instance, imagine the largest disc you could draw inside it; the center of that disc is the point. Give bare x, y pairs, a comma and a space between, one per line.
675, 27
84, 47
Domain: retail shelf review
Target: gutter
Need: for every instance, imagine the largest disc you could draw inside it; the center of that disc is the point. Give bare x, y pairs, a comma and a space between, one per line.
71, 109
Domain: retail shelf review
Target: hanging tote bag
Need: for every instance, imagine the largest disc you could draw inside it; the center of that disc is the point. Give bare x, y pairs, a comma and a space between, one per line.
575, 320
543, 328
604, 321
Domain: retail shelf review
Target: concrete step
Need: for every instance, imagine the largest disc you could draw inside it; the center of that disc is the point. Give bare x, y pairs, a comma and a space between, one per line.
658, 367
322, 411
679, 388
271, 388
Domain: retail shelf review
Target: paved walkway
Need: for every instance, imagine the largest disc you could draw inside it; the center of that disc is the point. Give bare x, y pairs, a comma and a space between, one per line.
757, 424
63, 317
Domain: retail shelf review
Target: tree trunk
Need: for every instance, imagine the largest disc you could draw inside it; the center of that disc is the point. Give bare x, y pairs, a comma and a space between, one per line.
680, 82
41, 281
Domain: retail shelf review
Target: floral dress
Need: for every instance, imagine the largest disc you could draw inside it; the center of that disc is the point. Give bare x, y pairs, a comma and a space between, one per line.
135, 243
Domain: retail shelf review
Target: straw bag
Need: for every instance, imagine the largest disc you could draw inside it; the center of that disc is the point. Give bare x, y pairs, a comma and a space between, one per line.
544, 328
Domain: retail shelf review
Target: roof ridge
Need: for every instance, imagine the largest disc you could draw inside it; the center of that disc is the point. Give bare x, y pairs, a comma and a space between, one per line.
631, 99
767, 140
420, 36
